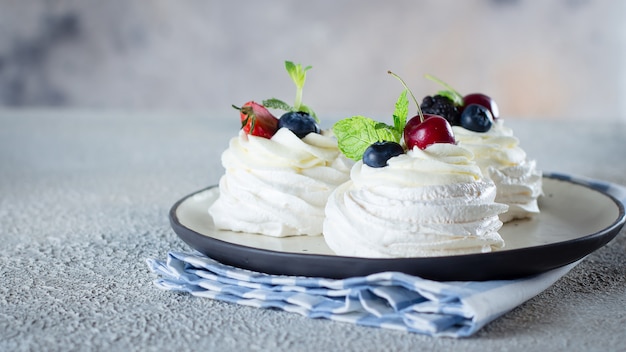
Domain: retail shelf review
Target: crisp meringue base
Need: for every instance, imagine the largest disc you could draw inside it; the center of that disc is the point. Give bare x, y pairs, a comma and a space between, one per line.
502, 160
416, 222
278, 187
519, 187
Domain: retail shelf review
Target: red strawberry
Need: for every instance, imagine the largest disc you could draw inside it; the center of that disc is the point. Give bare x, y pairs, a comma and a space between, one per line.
257, 120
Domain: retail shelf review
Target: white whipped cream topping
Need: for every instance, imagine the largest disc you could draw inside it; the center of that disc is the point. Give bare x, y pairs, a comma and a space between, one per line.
424, 203
501, 159
278, 186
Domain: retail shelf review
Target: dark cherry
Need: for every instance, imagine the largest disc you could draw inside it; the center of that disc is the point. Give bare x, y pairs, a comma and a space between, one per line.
377, 154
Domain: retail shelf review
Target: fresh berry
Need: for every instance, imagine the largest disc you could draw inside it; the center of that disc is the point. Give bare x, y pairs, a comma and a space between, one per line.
476, 118
433, 129
257, 120
422, 129
481, 99
377, 154
442, 106
464, 101
298, 122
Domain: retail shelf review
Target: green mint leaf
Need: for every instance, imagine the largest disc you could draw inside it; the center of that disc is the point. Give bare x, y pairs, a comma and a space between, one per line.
384, 129
356, 133
274, 103
298, 75
292, 71
450, 92
456, 99
309, 111
401, 112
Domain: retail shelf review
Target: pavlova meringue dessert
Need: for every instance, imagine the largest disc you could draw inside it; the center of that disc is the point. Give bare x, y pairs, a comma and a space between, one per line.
424, 198
477, 126
517, 179
279, 173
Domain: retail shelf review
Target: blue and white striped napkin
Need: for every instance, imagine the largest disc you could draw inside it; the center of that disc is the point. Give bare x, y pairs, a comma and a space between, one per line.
387, 300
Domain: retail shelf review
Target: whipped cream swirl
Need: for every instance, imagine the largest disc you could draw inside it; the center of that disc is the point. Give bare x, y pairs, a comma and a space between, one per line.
278, 186
517, 179
428, 202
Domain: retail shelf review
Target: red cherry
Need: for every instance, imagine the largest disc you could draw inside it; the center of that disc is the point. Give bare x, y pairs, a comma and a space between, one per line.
481, 99
434, 129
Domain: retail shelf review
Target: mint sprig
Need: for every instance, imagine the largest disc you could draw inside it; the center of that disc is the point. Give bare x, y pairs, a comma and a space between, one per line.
298, 75
401, 112
274, 103
356, 133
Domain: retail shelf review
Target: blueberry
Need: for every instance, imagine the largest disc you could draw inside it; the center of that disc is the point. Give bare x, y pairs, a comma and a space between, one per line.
377, 154
298, 122
476, 118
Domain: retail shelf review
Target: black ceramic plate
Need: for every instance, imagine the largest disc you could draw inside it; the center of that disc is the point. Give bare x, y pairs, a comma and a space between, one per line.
576, 218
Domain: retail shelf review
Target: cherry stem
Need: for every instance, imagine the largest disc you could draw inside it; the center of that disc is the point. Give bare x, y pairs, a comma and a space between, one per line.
419, 111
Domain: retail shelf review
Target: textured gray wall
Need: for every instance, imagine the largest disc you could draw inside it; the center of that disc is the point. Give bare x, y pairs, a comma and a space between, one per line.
558, 58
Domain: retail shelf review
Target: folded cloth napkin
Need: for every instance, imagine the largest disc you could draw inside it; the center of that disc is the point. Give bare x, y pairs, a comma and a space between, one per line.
388, 300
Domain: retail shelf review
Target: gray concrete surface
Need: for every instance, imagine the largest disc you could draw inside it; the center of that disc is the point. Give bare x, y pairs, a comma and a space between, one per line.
84, 199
